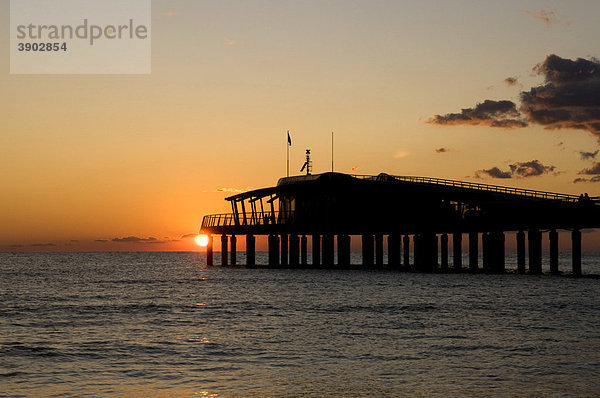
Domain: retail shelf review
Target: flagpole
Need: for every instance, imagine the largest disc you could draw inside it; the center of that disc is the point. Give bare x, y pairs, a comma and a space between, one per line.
332, 151
287, 153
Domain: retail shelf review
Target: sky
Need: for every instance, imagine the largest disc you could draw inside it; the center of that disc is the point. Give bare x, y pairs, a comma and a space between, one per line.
481, 91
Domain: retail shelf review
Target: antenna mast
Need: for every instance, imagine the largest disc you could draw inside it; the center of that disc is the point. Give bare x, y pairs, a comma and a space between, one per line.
332, 151
308, 164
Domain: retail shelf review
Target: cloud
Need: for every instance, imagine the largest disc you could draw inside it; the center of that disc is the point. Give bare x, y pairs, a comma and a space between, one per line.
594, 170
232, 190
569, 99
136, 239
101, 240
489, 113
547, 16
530, 169
354, 168
442, 150
588, 155
512, 81
518, 169
494, 172
43, 245
400, 154
187, 236
15, 246
593, 179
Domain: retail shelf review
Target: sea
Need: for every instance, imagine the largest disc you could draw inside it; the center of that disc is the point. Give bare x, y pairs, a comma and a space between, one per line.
167, 325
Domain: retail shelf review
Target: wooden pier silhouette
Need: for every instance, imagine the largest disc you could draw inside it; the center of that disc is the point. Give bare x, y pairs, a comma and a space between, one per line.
335, 205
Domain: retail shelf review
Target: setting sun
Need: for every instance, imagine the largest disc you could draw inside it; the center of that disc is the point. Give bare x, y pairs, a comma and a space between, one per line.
202, 240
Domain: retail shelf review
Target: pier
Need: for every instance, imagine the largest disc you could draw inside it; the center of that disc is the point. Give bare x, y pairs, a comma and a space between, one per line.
413, 214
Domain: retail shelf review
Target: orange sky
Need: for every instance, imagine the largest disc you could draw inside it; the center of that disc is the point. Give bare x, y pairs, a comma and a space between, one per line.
88, 159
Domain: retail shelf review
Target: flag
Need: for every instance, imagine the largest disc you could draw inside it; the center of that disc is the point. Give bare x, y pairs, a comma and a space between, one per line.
289, 139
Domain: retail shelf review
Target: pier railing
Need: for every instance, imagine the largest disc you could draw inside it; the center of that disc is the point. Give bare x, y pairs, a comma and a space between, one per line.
250, 219
477, 186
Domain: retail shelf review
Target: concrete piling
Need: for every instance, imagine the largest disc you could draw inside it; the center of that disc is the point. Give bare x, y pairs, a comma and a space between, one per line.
576, 252
294, 250
250, 250
535, 250
284, 250
367, 250
233, 249
303, 251
379, 250
316, 250
406, 247
444, 251
553, 236
209, 251
521, 252
223, 250
473, 251
328, 250
457, 250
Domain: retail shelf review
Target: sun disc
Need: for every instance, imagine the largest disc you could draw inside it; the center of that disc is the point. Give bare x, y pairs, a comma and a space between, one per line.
202, 240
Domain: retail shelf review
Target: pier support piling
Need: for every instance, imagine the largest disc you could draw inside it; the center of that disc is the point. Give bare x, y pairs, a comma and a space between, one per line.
284, 250
426, 253
328, 251
394, 250
273, 250
367, 250
343, 250
233, 249
303, 251
497, 252
485, 251
250, 250
209, 250
553, 236
444, 251
294, 250
473, 251
576, 252
535, 251
223, 250
406, 247
379, 250
457, 250
316, 250
521, 252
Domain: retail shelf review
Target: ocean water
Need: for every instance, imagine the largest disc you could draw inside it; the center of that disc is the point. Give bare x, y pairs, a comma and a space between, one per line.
165, 324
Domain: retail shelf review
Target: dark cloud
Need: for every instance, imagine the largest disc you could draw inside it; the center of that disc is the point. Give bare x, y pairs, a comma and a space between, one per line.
74, 241
101, 240
512, 81
43, 245
594, 170
494, 172
569, 99
519, 169
588, 155
530, 169
186, 236
488, 113
593, 179
136, 239
442, 150
15, 246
